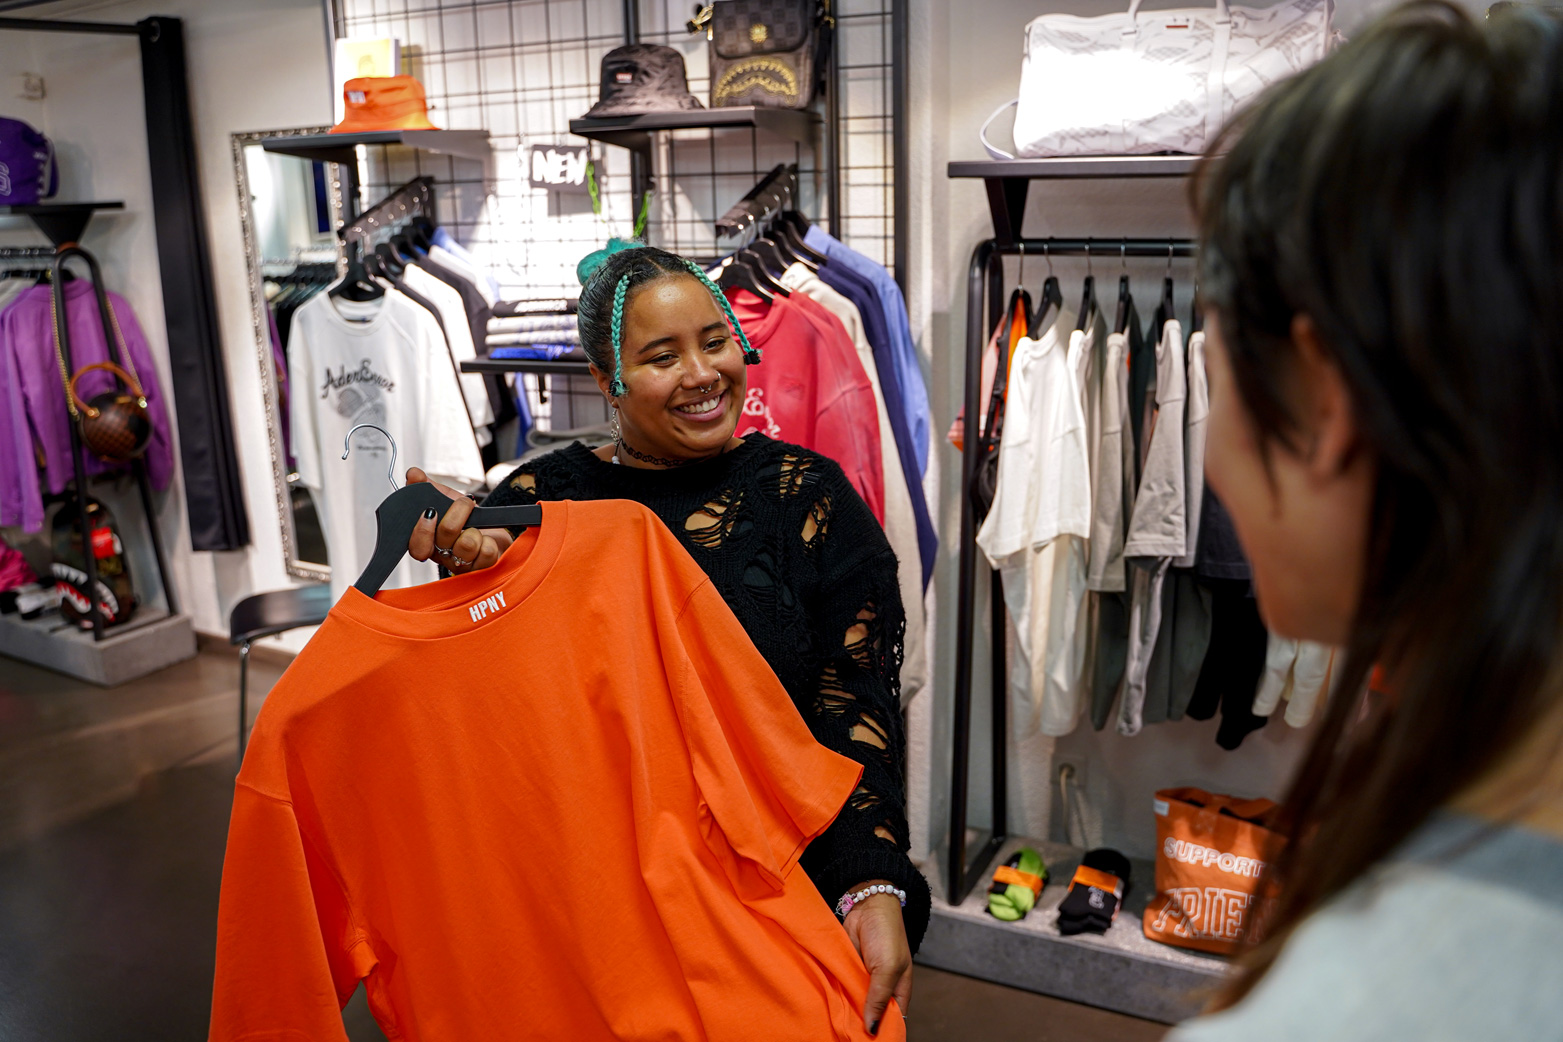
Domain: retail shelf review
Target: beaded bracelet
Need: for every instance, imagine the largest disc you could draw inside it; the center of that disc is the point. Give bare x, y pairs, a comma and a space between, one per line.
847, 901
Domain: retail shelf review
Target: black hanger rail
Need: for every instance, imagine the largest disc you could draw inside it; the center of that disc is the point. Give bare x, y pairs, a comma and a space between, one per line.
398, 514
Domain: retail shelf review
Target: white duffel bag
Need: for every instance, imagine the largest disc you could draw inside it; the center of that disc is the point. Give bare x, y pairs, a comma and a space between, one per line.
1154, 81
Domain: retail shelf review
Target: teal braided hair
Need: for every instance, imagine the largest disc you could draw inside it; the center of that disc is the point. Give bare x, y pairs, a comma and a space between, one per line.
616, 386
751, 353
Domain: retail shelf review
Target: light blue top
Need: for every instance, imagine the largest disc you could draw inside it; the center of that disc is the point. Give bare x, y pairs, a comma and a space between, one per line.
914, 393
1458, 936
443, 239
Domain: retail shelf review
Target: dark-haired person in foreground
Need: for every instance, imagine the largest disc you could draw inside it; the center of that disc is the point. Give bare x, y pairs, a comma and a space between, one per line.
786, 540
1382, 262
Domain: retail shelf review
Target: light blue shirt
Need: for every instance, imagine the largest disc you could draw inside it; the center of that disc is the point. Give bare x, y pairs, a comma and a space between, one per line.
914, 393
442, 239
1458, 936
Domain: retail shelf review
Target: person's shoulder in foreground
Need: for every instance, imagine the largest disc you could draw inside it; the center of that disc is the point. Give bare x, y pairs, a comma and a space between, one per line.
1458, 936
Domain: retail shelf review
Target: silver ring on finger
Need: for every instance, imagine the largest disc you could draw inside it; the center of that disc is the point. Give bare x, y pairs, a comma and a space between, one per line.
444, 554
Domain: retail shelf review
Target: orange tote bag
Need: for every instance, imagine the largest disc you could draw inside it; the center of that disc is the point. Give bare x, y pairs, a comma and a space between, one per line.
1211, 852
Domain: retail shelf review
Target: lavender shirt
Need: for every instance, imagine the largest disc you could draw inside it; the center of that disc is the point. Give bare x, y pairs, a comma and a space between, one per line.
34, 397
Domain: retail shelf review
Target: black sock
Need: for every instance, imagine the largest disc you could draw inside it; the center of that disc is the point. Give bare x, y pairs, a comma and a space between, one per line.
1095, 893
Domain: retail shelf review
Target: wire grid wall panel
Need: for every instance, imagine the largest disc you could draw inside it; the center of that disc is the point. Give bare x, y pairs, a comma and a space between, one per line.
522, 69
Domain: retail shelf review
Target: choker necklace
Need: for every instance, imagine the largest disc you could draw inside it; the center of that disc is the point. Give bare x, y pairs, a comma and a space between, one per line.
622, 447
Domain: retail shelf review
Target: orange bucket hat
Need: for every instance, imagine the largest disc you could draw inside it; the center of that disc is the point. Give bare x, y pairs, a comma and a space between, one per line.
383, 103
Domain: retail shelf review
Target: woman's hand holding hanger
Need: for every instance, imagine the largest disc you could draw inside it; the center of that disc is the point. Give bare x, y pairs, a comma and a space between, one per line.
444, 540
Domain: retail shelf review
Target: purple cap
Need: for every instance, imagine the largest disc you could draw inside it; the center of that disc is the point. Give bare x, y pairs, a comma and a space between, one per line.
27, 169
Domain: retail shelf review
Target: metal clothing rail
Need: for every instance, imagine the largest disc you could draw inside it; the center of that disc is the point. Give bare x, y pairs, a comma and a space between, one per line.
984, 305
775, 190
414, 197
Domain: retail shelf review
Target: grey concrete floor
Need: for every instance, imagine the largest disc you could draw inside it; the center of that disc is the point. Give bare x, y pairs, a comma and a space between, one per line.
109, 878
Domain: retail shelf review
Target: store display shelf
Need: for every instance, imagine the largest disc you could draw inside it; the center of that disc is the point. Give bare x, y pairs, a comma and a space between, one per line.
554, 366
635, 131
61, 222
151, 640
1121, 970
1008, 180
1075, 167
339, 148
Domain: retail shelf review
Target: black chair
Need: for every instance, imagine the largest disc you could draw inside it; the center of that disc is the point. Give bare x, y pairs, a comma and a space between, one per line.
264, 615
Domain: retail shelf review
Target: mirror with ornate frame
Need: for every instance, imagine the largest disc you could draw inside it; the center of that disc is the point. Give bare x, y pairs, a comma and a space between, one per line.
289, 208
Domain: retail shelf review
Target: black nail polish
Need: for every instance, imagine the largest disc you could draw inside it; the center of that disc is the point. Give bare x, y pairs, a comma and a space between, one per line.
873, 1029
430, 514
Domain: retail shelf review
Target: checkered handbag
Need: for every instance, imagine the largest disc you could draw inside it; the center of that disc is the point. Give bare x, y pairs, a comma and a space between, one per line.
1158, 81
767, 52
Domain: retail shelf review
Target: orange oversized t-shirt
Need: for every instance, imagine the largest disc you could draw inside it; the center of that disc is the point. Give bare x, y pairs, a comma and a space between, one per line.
561, 798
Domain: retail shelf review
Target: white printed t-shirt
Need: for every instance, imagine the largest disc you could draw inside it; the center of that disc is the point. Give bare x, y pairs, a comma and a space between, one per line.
383, 362
1035, 532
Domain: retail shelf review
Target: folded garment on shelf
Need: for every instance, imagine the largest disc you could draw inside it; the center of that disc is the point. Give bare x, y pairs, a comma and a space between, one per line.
531, 323
544, 306
538, 351
545, 336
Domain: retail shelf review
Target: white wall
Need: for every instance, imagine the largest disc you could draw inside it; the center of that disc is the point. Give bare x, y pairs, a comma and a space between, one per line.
965, 63
253, 65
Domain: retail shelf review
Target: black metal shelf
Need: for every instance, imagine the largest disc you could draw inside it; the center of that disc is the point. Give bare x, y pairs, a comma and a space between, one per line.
634, 132
339, 148
1075, 167
61, 222
551, 366
1008, 180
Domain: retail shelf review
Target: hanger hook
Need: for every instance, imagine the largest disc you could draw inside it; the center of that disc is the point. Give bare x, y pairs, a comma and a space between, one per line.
1022, 275
347, 447
1169, 258
1123, 255
1089, 273
1047, 255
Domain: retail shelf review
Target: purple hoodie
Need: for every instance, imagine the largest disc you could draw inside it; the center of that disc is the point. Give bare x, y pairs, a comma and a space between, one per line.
32, 398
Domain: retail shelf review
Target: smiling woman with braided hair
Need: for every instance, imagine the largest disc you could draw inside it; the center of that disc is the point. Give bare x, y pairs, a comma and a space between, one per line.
786, 540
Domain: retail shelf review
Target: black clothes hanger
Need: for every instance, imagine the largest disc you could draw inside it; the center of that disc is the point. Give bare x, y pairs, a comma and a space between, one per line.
757, 267
769, 255
398, 514
782, 231
1049, 300
1087, 294
389, 262
1167, 313
420, 232
1121, 317
356, 285
738, 275
782, 247
1087, 302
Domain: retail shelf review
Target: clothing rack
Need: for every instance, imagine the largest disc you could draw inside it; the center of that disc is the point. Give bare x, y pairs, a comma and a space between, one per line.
213, 489
411, 199
25, 259
774, 191
138, 466
984, 304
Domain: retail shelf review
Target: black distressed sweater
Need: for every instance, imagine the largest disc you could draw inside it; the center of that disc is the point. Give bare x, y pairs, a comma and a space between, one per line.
806, 569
